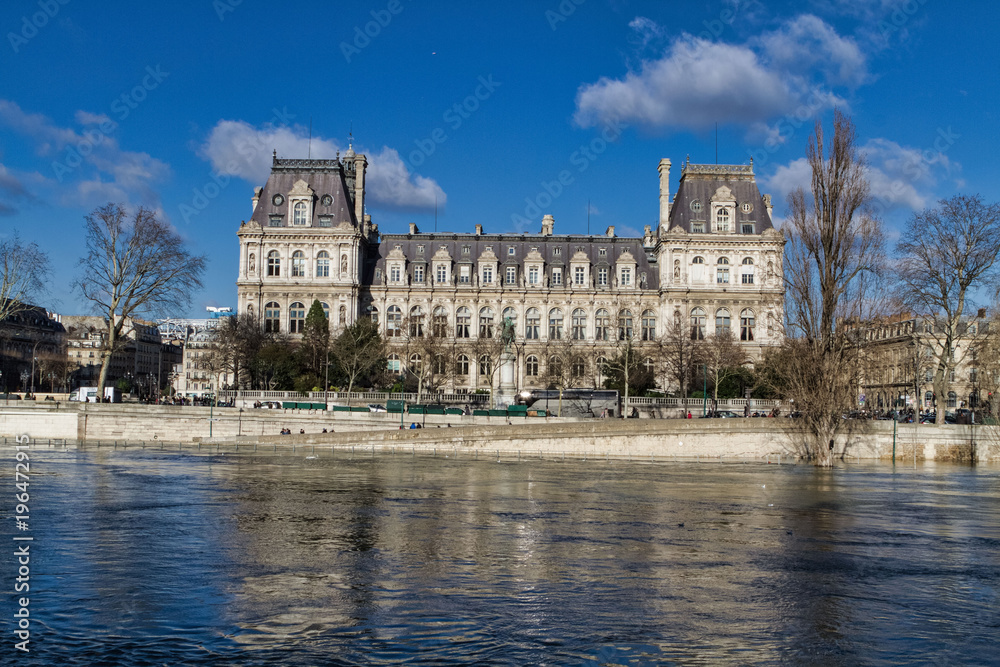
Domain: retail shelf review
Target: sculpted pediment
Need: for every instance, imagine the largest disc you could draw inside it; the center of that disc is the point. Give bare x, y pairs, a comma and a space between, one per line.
302, 189
723, 194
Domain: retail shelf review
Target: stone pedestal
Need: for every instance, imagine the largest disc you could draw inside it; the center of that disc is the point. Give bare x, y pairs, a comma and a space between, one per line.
507, 391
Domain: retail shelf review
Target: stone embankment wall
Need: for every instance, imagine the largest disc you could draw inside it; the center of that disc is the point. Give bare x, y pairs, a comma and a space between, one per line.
757, 439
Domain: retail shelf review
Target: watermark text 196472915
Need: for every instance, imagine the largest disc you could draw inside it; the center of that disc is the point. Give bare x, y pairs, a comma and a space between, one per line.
22, 540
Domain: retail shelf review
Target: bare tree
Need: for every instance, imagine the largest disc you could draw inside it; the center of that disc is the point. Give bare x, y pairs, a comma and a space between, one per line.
723, 358
425, 351
135, 264
947, 255
834, 253
23, 271
359, 350
679, 353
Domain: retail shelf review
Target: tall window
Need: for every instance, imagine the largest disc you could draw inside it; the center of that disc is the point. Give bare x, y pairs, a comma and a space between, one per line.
298, 264
486, 323
323, 264
533, 275
697, 324
418, 273
393, 322
440, 323
511, 277
626, 328
722, 220
438, 365
299, 214
747, 323
373, 313
273, 263
463, 322
579, 275
487, 275
747, 272
485, 367
272, 317
555, 324
394, 365
395, 273
555, 367
531, 366
722, 272
579, 368
602, 325
625, 276
416, 361
442, 273
722, 322
648, 325
579, 324
462, 365
602, 276
416, 322
556, 276
465, 274
532, 323
296, 317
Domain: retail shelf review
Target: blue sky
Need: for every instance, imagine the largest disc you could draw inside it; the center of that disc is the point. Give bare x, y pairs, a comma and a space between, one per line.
178, 106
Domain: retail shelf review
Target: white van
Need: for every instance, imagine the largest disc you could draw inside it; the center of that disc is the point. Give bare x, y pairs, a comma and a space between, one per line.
84, 395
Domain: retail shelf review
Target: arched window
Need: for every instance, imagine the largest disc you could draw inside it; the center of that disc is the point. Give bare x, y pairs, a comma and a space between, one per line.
555, 324
722, 220
531, 366
555, 367
579, 367
579, 324
299, 214
722, 271
463, 322
747, 324
485, 367
373, 313
699, 272
602, 325
532, 323
298, 264
952, 399
698, 260
393, 322
438, 365
746, 271
416, 322
509, 314
272, 317
648, 325
462, 365
722, 322
415, 363
323, 264
697, 324
273, 264
486, 322
440, 322
626, 328
649, 365
394, 365
296, 317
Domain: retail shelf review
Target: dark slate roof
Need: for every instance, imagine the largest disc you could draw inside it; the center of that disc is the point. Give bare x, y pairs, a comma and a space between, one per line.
556, 250
325, 177
700, 181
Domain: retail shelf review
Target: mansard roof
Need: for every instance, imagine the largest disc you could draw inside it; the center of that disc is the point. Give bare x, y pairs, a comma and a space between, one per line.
323, 177
700, 183
555, 250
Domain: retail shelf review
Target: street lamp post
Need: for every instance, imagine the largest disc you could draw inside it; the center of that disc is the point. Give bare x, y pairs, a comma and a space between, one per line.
704, 389
24, 380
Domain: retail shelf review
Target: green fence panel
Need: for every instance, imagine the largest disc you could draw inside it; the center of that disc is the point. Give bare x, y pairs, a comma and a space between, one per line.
289, 405
454, 411
394, 405
517, 410
480, 413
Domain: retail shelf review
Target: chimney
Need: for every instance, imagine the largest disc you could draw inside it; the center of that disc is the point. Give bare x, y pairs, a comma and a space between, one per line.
610, 231
647, 236
479, 230
664, 169
767, 205
413, 228
360, 164
257, 192
548, 222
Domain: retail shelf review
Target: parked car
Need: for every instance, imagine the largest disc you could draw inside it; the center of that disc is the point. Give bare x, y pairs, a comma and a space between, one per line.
375, 407
722, 414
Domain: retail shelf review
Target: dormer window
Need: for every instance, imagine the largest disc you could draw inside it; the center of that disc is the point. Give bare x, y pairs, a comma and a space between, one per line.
556, 251
722, 220
327, 200
696, 206
299, 214
511, 251
602, 252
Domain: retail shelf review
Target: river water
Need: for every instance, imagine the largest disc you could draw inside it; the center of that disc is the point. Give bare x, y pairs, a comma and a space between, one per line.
148, 558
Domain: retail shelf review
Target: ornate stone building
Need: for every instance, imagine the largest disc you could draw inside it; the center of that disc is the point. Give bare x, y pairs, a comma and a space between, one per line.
441, 299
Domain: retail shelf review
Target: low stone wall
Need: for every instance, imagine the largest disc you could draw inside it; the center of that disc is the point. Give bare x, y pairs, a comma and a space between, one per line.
756, 439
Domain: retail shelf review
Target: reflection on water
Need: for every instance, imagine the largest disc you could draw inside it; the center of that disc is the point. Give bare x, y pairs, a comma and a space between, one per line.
144, 558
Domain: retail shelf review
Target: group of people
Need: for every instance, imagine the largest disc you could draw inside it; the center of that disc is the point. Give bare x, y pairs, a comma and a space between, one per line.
288, 431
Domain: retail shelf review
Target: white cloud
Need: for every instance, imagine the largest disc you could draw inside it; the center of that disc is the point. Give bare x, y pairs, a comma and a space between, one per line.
90, 161
698, 82
901, 177
240, 149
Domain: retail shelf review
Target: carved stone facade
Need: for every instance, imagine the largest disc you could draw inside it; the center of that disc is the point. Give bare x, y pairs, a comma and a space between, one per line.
714, 263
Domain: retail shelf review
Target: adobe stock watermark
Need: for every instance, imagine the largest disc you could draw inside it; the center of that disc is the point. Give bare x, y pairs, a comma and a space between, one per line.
122, 107
455, 116
248, 150
223, 7
786, 126
30, 25
381, 18
562, 12
22, 542
580, 159
899, 17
